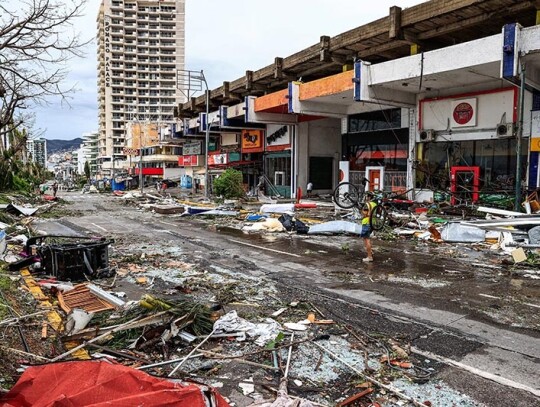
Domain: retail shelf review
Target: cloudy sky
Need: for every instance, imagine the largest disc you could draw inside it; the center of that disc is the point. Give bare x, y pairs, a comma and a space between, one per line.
224, 38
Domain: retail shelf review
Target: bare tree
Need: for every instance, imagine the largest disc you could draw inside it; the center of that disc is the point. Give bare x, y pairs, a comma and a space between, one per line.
37, 40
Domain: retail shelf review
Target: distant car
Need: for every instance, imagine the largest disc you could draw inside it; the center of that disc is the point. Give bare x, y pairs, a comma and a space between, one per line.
168, 183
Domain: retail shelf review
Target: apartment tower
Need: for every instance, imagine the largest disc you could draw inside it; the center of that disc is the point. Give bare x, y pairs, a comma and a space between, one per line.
140, 49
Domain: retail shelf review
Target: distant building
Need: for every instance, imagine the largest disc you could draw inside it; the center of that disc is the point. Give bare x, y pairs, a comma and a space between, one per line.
140, 50
90, 152
36, 151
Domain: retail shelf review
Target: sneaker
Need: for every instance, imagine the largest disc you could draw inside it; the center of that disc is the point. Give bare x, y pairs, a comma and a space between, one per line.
367, 259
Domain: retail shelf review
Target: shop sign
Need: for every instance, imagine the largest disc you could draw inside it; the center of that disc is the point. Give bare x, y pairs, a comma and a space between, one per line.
212, 145
217, 159
252, 141
188, 160
229, 139
464, 113
278, 137
535, 130
130, 151
234, 157
194, 148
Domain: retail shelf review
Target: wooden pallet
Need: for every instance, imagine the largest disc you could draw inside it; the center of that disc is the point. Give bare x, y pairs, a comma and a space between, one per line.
81, 297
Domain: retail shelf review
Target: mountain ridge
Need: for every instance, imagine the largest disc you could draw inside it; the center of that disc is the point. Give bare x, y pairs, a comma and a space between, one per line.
55, 146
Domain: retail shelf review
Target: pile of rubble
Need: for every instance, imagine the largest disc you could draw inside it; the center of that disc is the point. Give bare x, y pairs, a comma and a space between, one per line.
212, 330
513, 235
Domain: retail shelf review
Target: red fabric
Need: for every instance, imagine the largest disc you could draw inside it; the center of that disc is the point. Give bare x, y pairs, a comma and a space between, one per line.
102, 383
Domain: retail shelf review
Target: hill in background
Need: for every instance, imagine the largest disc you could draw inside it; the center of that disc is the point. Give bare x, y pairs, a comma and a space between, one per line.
55, 146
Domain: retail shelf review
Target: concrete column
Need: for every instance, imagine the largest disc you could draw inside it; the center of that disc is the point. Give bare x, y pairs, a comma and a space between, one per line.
411, 172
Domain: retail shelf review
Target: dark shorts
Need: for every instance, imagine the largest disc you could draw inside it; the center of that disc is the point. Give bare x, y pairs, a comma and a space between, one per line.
366, 231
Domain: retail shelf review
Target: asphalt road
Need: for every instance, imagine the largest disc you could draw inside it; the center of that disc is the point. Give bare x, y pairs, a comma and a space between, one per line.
479, 322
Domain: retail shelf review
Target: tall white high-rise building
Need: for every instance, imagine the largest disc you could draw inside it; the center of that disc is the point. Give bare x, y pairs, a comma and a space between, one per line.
140, 51
36, 150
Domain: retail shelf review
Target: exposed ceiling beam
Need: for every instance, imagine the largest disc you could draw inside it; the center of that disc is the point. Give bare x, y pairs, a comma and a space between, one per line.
394, 31
251, 85
469, 22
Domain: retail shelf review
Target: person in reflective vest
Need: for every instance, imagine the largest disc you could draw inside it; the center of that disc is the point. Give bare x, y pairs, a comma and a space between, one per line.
365, 234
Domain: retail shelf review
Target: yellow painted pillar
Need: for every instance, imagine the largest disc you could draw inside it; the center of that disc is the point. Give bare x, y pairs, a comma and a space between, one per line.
415, 49
538, 17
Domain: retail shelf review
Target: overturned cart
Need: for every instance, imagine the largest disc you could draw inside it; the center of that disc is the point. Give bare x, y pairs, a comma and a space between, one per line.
70, 257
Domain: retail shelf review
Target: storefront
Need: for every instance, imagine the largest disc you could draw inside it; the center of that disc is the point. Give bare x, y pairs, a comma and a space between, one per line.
376, 146
278, 160
467, 146
241, 151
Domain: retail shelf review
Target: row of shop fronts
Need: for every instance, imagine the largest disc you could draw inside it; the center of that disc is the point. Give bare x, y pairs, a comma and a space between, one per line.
458, 119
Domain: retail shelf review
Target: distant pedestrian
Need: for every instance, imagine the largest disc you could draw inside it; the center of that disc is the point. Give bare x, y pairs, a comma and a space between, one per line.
365, 233
309, 189
55, 188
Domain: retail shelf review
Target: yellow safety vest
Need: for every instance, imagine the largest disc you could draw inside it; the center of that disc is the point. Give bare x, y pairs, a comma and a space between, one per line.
365, 219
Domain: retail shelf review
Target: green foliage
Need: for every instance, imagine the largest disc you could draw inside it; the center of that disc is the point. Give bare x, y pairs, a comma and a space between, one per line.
229, 184
272, 344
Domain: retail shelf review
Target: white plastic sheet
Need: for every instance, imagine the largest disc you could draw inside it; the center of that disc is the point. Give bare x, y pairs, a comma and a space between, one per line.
231, 322
336, 226
459, 233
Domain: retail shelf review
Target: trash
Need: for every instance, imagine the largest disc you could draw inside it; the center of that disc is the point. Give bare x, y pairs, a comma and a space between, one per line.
460, 233
77, 320
117, 302
277, 208
101, 382
247, 386
534, 235
356, 397
254, 217
293, 326
497, 211
77, 259
3, 243
337, 226
167, 209
283, 399
519, 255
231, 322
279, 312
287, 221
269, 225
19, 239
193, 210
141, 280
82, 297
20, 210
217, 212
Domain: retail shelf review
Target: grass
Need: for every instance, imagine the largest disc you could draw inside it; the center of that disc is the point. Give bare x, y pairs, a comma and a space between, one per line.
5, 286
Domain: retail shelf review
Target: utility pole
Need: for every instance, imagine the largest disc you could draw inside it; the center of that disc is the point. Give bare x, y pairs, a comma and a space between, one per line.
519, 137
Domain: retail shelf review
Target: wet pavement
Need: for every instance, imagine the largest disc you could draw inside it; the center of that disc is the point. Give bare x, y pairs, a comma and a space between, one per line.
452, 302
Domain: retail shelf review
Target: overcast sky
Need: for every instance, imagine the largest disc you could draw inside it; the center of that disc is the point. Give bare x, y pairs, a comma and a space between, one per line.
224, 38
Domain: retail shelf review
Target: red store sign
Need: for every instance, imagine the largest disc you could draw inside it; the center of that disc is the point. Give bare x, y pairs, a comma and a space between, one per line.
188, 160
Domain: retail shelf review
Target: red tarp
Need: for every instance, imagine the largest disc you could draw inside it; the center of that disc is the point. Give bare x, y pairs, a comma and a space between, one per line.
103, 383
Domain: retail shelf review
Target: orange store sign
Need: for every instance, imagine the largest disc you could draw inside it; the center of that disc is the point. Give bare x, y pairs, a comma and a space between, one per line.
252, 141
